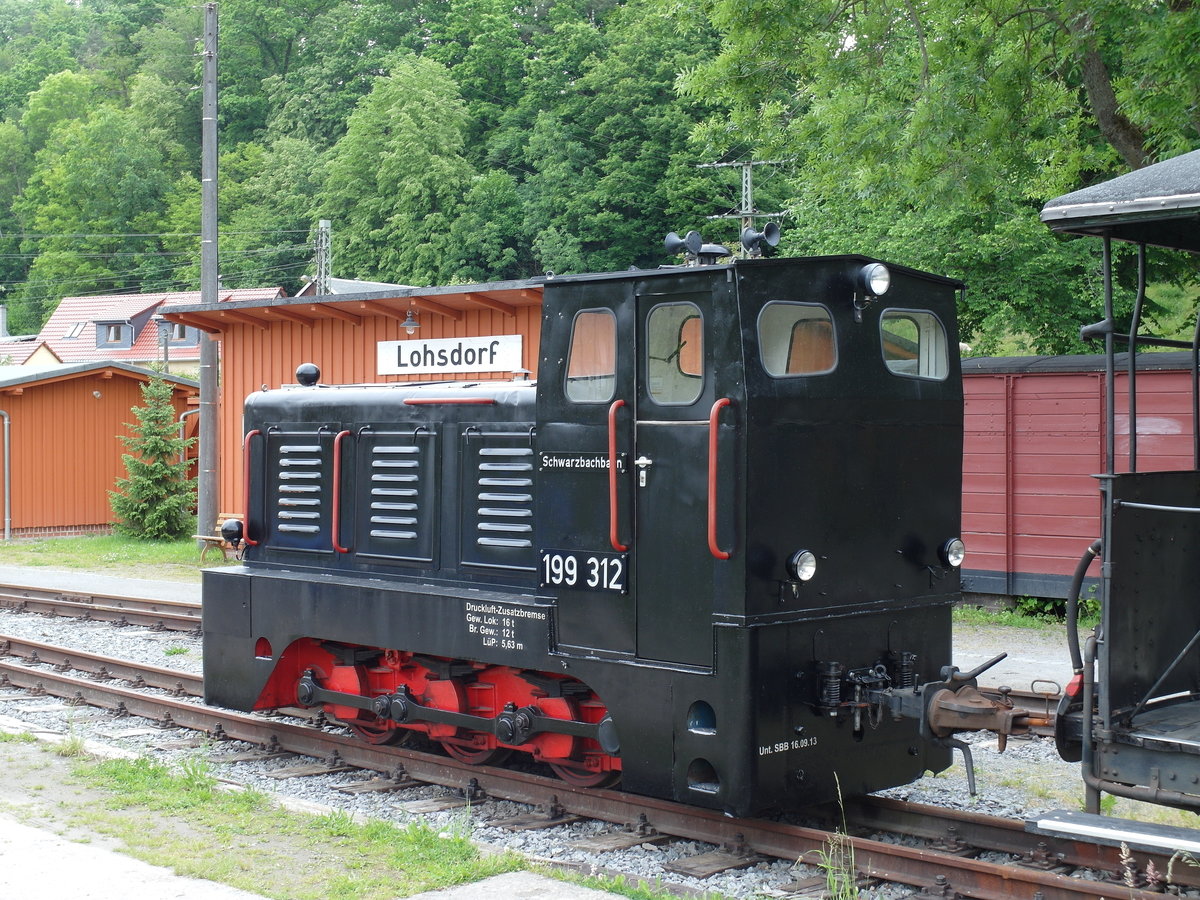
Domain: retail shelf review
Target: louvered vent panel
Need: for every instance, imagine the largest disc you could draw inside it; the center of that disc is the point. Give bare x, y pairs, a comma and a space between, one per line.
498, 501
300, 493
401, 512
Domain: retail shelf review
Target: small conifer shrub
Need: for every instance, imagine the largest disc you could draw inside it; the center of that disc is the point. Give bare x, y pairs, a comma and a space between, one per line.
155, 500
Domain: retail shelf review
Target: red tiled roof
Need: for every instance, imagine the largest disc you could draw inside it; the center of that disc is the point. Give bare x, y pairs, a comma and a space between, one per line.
15, 352
81, 314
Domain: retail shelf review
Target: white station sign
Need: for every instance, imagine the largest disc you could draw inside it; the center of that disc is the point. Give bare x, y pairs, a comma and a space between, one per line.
450, 356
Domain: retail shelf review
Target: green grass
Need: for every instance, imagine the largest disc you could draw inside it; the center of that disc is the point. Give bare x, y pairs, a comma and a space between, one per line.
240, 838
975, 615
110, 554
1014, 618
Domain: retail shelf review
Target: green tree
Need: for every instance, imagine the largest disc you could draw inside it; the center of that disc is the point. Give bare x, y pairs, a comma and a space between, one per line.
261, 40
155, 500
63, 97
269, 237
37, 38
396, 180
610, 138
485, 240
15, 164
480, 43
266, 214
931, 134
92, 210
342, 55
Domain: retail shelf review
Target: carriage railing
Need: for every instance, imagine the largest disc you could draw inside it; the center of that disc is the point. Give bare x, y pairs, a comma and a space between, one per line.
1107, 330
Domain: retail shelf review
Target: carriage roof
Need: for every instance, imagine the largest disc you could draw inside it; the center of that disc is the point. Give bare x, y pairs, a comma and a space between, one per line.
1158, 205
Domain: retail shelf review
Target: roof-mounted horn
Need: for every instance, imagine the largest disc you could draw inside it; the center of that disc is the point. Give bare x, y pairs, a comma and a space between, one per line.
689, 244
695, 251
754, 241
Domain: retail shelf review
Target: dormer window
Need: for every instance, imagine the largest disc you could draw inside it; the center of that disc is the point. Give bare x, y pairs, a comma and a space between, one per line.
178, 332
114, 335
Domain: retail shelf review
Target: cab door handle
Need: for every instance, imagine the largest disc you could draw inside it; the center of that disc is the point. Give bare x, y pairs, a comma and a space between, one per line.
643, 463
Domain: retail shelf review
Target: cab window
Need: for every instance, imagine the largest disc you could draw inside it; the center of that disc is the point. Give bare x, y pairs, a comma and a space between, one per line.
675, 353
592, 363
914, 344
796, 339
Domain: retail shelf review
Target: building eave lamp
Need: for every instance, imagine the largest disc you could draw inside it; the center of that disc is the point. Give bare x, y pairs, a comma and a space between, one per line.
410, 323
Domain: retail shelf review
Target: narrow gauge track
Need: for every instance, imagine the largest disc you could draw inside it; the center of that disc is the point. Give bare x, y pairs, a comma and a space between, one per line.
162, 615
63, 659
945, 866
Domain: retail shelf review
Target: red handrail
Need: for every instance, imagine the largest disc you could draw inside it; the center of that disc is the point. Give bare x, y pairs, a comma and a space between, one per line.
613, 536
250, 542
335, 517
713, 425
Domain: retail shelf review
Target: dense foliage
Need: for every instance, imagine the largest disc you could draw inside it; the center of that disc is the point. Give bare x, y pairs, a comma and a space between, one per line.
477, 140
155, 499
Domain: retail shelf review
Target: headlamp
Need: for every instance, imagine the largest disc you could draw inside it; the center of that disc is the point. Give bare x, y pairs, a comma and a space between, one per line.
802, 565
875, 279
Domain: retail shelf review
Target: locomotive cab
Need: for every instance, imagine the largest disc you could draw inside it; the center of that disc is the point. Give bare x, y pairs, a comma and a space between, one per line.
770, 453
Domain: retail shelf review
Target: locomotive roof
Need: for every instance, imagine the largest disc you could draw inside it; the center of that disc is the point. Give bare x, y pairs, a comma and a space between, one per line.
430, 393
1157, 205
676, 270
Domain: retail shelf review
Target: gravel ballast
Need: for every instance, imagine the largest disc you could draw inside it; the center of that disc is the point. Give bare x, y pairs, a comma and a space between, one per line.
1026, 779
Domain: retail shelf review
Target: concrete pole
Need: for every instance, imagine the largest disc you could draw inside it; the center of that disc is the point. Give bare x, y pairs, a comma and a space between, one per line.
208, 478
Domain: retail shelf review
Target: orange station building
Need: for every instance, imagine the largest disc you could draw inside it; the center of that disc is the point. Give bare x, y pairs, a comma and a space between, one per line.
360, 338
61, 448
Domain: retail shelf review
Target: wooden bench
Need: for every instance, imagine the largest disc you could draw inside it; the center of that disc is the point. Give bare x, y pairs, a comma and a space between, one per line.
211, 541
216, 540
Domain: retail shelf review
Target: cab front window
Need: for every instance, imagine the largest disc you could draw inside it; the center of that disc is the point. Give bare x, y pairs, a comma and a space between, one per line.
796, 339
592, 363
914, 344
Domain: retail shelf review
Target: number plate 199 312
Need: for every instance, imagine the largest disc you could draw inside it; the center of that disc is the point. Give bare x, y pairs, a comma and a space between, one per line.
584, 570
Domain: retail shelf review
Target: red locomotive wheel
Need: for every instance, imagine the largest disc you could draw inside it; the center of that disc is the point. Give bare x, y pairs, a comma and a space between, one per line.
473, 757
380, 734
582, 778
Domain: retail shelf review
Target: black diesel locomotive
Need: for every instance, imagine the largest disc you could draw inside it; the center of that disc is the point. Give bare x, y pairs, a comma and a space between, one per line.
711, 552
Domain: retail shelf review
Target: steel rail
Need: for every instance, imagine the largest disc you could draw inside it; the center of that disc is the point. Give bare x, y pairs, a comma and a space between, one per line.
952, 828
63, 658
166, 615
917, 866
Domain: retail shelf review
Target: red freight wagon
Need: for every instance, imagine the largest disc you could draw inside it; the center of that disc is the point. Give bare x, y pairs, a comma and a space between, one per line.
1034, 440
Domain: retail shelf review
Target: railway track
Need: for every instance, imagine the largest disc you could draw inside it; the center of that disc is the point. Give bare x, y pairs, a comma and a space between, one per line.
161, 615
950, 858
